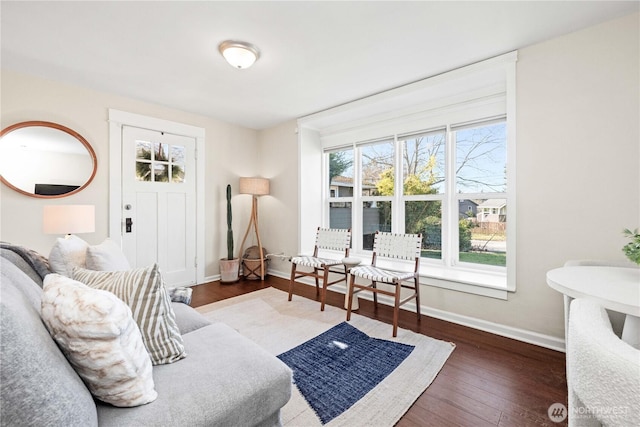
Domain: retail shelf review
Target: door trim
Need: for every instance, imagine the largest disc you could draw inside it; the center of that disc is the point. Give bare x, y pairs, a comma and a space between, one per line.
117, 119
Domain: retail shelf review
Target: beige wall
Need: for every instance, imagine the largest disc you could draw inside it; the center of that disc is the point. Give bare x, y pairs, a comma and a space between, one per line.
578, 161
231, 151
279, 210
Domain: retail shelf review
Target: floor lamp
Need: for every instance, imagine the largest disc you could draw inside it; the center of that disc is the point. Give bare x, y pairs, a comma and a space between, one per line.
256, 187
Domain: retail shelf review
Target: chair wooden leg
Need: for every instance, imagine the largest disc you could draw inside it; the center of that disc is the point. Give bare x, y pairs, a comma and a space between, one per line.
417, 284
315, 272
396, 310
293, 277
325, 280
350, 302
375, 294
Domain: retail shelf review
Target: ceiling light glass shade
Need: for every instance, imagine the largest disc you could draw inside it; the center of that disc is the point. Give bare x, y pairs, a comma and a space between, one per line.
239, 54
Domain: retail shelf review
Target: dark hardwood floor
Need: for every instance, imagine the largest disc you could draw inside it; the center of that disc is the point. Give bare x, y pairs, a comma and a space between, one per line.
488, 380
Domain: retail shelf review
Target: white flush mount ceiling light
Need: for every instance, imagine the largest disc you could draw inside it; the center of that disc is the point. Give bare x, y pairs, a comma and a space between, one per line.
239, 54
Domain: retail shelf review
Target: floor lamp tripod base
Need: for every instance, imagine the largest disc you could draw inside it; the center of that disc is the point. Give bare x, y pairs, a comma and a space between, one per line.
253, 222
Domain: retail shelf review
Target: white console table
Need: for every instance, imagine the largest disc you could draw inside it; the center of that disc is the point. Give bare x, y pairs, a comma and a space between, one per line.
614, 288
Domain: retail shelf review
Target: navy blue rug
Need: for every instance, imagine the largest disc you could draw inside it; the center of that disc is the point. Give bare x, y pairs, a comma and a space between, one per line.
338, 367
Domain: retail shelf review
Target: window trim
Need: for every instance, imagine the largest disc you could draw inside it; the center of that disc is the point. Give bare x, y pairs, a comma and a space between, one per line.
365, 120
448, 269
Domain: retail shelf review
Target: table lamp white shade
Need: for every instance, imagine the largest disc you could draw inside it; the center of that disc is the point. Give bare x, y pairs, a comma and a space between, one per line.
69, 219
255, 186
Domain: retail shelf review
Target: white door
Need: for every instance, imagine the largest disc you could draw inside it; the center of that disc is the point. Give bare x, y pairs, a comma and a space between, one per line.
159, 203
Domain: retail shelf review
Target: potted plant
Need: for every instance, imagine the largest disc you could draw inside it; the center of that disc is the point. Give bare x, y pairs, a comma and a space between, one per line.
230, 266
632, 249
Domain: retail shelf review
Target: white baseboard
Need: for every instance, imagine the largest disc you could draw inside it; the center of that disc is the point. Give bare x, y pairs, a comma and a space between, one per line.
523, 335
213, 278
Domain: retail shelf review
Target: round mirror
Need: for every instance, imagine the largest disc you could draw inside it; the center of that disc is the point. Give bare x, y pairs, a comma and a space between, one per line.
43, 159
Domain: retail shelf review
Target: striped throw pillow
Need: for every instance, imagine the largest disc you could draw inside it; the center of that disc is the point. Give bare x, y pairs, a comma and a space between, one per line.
143, 290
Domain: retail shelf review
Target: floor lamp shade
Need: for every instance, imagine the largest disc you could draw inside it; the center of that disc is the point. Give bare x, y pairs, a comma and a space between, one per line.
69, 219
255, 186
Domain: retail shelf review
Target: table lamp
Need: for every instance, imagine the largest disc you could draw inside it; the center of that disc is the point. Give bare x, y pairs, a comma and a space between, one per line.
256, 187
69, 219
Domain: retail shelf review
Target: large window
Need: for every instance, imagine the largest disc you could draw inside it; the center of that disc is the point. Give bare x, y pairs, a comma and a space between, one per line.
448, 184
436, 157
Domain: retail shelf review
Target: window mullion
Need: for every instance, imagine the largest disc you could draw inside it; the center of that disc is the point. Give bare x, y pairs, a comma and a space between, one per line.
356, 210
397, 205
449, 247
325, 186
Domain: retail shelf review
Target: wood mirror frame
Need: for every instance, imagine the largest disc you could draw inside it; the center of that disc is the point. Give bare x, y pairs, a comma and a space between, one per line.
71, 137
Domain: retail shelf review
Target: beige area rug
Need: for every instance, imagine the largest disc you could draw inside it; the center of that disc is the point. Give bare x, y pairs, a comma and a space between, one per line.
267, 318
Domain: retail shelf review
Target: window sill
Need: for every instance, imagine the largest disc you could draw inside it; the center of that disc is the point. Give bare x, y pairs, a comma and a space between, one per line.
484, 283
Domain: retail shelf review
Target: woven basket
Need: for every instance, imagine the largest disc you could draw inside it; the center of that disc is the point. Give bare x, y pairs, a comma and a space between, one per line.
251, 263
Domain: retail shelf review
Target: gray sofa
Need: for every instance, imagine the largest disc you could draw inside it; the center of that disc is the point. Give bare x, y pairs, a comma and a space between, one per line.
225, 380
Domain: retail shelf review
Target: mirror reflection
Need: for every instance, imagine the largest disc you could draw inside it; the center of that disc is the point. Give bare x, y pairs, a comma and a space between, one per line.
43, 159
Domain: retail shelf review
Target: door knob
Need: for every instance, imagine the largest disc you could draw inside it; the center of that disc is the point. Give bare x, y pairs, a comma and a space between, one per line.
128, 223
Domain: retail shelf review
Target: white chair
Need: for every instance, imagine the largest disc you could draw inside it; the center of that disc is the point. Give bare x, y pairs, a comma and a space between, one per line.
338, 239
395, 246
603, 372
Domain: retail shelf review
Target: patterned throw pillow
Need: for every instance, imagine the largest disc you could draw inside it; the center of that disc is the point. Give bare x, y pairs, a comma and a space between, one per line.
100, 339
143, 290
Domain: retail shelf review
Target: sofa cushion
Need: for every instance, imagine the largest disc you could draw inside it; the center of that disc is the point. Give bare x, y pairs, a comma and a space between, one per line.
68, 252
188, 318
227, 380
101, 340
38, 386
143, 290
107, 256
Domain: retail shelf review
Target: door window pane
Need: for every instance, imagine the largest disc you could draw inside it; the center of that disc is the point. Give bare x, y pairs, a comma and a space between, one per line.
377, 169
376, 216
177, 173
423, 164
154, 164
143, 150
161, 151
160, 172
341, 173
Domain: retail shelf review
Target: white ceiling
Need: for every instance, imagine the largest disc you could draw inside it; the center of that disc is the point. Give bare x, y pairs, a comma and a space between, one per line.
314, 55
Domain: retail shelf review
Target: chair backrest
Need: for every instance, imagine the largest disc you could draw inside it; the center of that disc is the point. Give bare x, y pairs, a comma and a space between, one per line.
603, 373
338, 239
398, 246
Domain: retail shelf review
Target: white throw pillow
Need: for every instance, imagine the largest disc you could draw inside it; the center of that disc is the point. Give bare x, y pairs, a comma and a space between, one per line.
68, 252
99, 337
144, 291
107, 256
